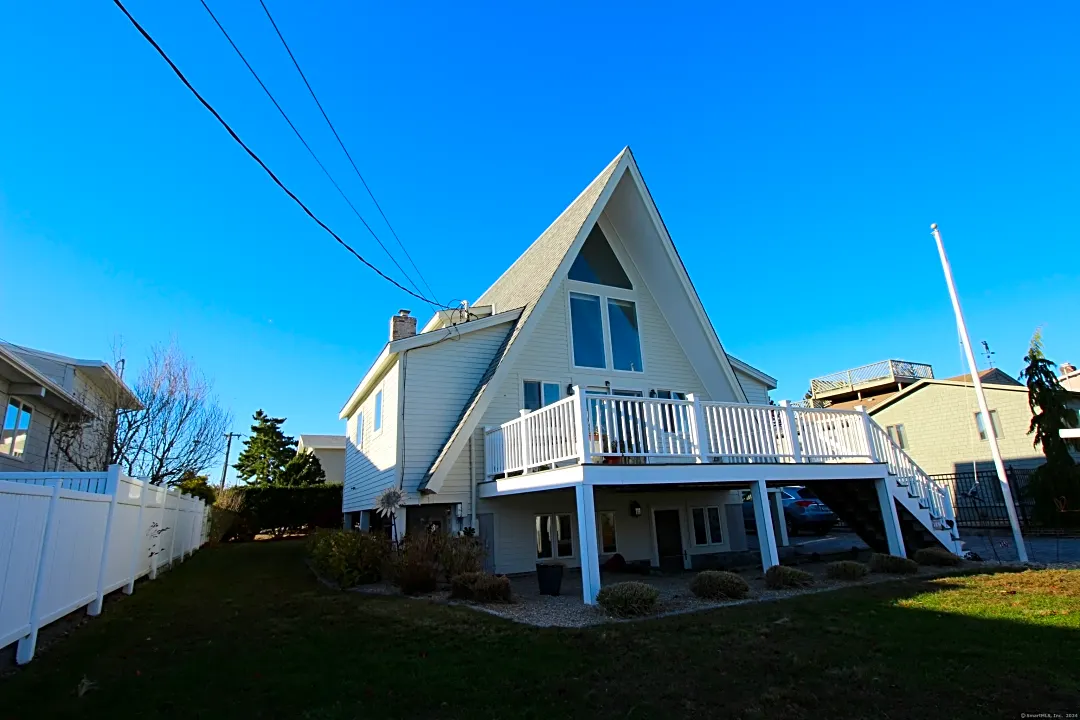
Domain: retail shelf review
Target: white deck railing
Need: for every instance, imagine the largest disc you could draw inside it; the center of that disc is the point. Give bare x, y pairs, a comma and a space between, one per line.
653, 430
932, 495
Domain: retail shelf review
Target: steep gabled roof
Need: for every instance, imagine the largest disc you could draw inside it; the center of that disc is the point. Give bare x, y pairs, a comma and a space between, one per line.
528, 282
522, 285
993, 376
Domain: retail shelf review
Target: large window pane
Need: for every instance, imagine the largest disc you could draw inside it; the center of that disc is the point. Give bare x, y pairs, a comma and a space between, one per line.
625, 343
587, 330
531, 393
551, 393
22, 431
543, 536
10, 418
378, 411
596, 263
701, 537
564, 538
716, 535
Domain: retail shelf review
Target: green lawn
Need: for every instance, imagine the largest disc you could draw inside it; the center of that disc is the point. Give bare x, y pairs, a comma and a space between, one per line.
244, 631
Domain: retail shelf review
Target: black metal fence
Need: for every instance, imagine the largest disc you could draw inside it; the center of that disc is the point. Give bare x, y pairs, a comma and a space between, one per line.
979, 503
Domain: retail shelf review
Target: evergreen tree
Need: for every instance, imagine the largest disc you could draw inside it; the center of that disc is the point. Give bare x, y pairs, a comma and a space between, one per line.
197, 486
1055, 486
304, 469
266, 451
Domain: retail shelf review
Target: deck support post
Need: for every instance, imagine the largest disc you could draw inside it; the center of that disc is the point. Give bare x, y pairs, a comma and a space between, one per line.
868, 431
792, 432
587, 546
893, 536
699, 430
779, 518
759, 494
582, 421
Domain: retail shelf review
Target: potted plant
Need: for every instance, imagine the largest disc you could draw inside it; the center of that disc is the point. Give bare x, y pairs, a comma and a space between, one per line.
549, 576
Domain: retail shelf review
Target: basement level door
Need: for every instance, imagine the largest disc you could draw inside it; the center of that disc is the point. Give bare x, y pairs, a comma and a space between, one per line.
669, 548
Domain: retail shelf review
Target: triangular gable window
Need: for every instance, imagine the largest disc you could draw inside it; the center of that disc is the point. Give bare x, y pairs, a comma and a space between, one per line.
596, 263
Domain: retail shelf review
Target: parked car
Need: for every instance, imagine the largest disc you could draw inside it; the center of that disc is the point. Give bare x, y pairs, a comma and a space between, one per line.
802, 511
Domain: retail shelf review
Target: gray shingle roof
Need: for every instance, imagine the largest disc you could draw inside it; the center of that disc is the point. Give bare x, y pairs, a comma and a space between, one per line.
524, 282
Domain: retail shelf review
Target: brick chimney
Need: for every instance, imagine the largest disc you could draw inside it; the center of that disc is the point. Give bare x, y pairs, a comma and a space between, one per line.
402, 326
1067, 367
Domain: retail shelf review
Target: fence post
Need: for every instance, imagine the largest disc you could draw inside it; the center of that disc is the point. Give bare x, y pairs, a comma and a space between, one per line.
792, 431
581, 416
112, 487
699, 433
868, 431
155, 558
136, 542
25, 651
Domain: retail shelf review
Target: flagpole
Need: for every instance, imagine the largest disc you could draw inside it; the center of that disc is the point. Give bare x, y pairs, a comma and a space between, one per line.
988, 424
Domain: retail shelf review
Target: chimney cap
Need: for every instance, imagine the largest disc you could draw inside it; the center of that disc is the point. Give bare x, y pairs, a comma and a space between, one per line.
404, 313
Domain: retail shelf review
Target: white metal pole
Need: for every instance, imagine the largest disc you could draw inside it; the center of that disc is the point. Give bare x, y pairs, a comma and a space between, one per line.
991, 435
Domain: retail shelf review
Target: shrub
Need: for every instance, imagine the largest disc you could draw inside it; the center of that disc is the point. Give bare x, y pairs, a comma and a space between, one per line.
628, 599
459, 555
936, 556
881, 563
719, 585
414, 565
348, 558
281, 510
480, 587
846, 570
779, 577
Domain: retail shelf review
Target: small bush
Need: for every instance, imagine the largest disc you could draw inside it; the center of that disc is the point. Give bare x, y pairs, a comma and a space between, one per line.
628, 599
779, 577
936, 556
459, 555
280, 510
348, 558
846, 570
893, 564
719, 585
414, 564
480, 587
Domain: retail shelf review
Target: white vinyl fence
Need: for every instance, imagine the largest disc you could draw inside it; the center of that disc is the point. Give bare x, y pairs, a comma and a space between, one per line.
68, 539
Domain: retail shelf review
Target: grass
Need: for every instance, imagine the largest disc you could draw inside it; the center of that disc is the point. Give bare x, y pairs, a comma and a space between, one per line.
244, 631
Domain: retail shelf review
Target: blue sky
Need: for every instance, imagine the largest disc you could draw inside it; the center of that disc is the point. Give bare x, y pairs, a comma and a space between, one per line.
798, 154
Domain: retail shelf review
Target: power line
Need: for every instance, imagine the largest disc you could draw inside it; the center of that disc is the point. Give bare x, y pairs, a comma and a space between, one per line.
257, 159
343, 148
306, 145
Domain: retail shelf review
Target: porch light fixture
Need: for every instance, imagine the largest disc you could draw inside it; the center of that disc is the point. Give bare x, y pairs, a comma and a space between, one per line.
635, 508
569, 389
652, 392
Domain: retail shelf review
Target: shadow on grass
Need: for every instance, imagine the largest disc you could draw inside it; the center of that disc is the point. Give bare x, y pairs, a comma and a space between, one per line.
246, 631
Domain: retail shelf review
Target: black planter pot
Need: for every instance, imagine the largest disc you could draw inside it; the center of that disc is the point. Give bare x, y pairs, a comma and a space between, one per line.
549, 577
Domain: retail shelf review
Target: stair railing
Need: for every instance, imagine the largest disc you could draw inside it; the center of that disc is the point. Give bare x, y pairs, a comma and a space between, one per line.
931, 494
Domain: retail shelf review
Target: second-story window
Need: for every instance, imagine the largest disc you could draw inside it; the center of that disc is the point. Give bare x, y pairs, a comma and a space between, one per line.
538, 394
376, 423
16, 428
587, 328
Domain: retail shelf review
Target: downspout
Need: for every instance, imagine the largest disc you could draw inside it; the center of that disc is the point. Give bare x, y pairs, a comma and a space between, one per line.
472, 476
48, 446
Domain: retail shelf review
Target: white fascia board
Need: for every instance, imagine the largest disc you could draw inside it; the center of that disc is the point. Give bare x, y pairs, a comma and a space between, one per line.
452, 331
752, 371
382, 363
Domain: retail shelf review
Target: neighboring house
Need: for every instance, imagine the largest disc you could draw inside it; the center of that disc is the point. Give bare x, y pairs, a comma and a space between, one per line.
330, 449
58, 410
584, 406
937, 422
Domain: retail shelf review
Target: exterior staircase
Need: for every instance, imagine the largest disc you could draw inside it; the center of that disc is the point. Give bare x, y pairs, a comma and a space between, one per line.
923, 506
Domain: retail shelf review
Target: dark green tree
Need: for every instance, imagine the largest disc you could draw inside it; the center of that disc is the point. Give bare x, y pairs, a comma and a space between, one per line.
304, 469
1055, 486
197, 486
266, 451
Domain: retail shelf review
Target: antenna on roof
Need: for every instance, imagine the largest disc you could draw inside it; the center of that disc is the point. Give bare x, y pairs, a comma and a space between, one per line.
989, 354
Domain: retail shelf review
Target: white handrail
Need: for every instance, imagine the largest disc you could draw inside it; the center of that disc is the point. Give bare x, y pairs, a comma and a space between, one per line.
639, 427
831, 435
919, 484
541, 438
737, 432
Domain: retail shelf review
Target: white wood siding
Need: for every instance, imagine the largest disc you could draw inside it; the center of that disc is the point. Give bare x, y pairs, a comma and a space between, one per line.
439, 380
515, 523
756, 391
373, 468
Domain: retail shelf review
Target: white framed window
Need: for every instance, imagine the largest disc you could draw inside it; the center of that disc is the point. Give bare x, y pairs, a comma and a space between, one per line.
605, 533
535, 394
708, 528
360, 430
376, 422
898, 435
625, 338
980, 425
587, 331
670, 395
554, 536
16, 428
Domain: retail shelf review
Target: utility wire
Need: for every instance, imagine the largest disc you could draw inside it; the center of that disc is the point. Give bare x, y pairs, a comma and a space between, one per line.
344, 149
306, 145
263, 165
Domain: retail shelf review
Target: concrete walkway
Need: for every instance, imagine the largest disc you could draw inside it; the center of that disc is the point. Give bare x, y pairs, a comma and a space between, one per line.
1040, 549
